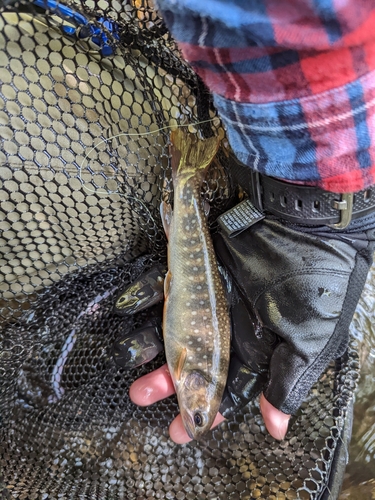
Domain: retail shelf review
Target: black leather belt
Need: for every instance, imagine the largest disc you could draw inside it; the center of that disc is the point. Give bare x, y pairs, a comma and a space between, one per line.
305, 205
310, 205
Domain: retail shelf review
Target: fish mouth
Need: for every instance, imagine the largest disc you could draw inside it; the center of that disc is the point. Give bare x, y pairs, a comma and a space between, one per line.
190, 430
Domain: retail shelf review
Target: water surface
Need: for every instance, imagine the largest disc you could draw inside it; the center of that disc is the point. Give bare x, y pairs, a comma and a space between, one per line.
359, 481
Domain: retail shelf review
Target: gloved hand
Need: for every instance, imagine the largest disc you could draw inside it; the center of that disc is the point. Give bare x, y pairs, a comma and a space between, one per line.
292, 299
144, 343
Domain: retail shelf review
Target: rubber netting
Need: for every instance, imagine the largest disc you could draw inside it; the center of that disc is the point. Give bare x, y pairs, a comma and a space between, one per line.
88, 91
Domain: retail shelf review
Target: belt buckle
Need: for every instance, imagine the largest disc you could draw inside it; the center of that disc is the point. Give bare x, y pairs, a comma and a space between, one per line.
345, 205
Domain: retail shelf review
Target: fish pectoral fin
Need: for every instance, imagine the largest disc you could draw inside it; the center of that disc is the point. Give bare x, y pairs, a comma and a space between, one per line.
166, 213
180, 364
167, 284
206, 207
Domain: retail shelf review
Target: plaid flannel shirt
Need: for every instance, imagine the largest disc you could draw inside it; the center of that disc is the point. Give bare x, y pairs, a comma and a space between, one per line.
293, 81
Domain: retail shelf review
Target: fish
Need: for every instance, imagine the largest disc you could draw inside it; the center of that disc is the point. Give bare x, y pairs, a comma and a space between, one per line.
196, 321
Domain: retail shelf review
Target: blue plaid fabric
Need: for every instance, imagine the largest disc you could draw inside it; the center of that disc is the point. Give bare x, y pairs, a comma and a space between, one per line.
293, 80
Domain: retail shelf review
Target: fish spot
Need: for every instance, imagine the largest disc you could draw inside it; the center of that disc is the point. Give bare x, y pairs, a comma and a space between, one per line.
201, 302
207, 310
190, 342
199, 259
193, 312
199, 287
193, 242
196, 331
193, 296
190, 357
210, 348
209, 333
205, 356
199, 364
184, 237
191, 256
192, 323
188, 303
199, 348
199, 339
204, 317
191, 278
195, 268
187, 228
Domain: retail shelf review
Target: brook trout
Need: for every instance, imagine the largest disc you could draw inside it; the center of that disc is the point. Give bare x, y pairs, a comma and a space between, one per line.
196, 323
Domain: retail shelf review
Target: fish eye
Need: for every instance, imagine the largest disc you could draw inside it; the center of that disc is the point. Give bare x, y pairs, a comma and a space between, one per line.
198, 419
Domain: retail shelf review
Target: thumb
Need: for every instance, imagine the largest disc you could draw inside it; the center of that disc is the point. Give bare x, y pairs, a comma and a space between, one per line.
275, 420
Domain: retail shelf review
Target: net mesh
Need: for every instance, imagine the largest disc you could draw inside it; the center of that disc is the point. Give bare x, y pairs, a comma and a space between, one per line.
89, 92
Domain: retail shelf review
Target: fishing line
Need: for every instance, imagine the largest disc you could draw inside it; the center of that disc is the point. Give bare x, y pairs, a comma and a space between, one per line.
329, 492
146, 209
129, 134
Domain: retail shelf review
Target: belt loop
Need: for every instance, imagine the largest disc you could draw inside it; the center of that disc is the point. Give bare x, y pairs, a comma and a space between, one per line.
256, 190
345, 205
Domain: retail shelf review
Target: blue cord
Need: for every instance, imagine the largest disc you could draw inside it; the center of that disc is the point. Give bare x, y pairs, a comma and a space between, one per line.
83, 28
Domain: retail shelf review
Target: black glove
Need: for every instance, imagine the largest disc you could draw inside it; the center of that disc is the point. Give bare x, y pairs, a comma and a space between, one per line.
303, 286
292, 291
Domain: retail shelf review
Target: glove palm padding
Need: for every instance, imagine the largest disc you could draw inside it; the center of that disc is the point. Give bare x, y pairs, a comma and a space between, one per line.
303, 289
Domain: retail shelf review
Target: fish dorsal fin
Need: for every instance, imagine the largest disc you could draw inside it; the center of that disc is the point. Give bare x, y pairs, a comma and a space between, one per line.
189, 152
180, 364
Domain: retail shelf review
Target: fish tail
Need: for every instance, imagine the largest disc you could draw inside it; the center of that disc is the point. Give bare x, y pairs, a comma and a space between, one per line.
189, 152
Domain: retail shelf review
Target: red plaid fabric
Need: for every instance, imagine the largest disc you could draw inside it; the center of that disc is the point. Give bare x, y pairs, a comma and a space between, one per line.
293, 80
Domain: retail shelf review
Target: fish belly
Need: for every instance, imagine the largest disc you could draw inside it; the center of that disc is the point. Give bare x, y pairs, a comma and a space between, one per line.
196, 314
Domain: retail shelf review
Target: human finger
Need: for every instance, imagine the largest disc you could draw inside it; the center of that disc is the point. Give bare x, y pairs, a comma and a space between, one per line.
252, 350
152, 387
275, 420
143, 293
138, 347
178, 433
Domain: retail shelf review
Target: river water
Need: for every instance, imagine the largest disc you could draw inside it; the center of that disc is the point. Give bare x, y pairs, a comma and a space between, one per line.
359, 481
